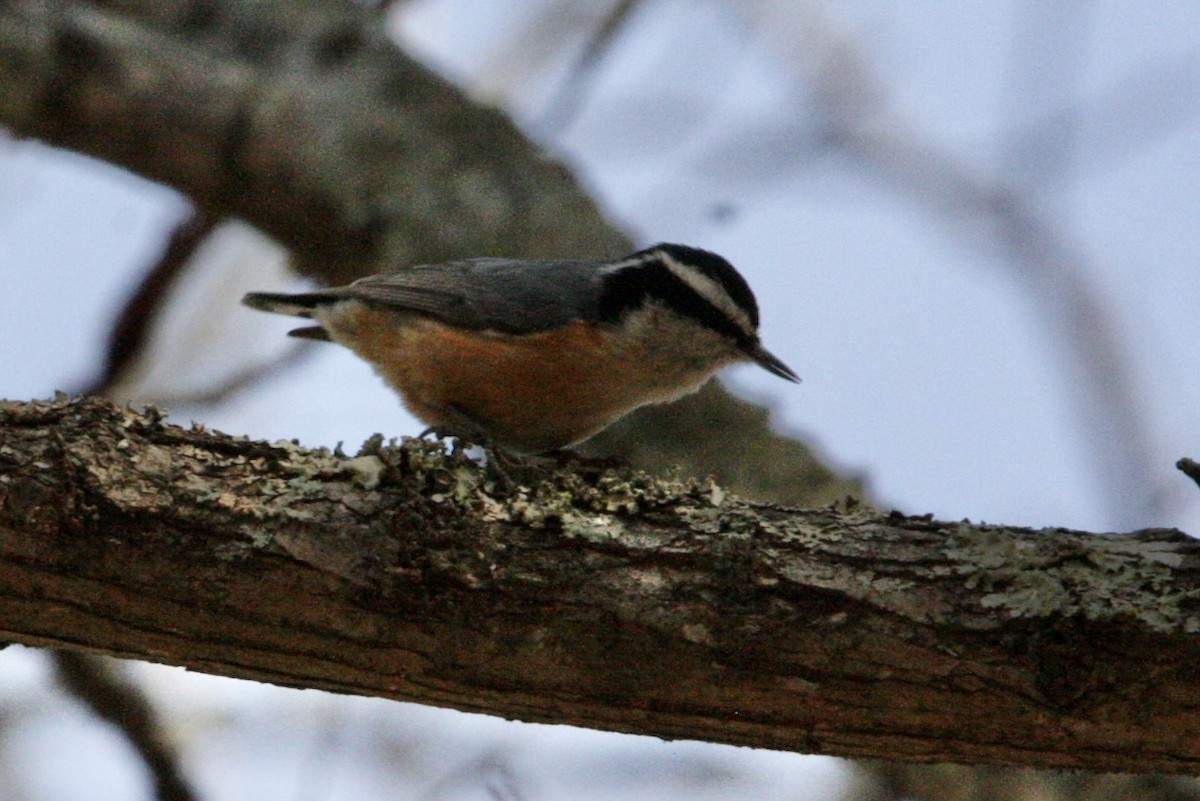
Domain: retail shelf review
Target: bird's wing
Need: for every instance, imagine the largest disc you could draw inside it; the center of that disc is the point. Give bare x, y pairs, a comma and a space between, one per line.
506, 295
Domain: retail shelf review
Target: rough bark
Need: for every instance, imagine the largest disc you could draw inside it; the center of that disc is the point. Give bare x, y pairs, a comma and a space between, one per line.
601, 599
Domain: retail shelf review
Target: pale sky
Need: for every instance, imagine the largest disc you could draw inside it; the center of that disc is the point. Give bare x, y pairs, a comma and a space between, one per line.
928, 367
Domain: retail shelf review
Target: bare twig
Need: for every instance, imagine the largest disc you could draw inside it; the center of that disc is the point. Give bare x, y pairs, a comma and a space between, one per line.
1189, 468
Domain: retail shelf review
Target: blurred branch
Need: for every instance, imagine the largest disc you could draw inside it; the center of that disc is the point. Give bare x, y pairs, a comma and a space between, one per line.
93, 682
606, 600
564, 106
134, 323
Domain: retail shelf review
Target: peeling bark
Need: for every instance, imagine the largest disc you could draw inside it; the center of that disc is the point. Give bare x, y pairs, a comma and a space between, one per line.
600, 599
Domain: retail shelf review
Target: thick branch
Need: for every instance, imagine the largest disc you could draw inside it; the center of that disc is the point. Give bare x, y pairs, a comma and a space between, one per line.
599, 600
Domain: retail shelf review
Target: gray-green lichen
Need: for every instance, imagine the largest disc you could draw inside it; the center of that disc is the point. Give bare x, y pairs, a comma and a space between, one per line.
590, 506
580, 500
1061, 573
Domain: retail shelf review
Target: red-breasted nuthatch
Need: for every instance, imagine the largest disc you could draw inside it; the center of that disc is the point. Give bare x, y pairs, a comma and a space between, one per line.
539, 355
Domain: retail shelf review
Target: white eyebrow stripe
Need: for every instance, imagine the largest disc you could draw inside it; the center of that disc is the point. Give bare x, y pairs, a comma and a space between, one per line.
710, 290
617, 266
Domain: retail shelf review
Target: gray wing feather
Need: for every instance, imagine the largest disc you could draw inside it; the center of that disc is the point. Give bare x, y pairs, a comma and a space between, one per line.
507, 295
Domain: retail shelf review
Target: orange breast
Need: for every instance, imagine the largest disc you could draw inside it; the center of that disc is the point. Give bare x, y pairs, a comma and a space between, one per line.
533, 393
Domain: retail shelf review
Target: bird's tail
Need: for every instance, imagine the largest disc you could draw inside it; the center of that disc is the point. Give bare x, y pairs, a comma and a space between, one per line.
297, 305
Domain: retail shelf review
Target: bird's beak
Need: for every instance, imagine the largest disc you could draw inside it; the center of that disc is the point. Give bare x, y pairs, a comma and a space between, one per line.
769, 362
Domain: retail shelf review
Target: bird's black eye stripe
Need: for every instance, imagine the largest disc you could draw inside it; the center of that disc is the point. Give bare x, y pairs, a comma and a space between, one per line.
626, 290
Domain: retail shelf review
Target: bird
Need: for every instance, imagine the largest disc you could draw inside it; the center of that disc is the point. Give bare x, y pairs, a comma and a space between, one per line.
536, 356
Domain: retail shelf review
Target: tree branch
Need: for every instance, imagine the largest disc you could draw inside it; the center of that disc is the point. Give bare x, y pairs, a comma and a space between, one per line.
604, 600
